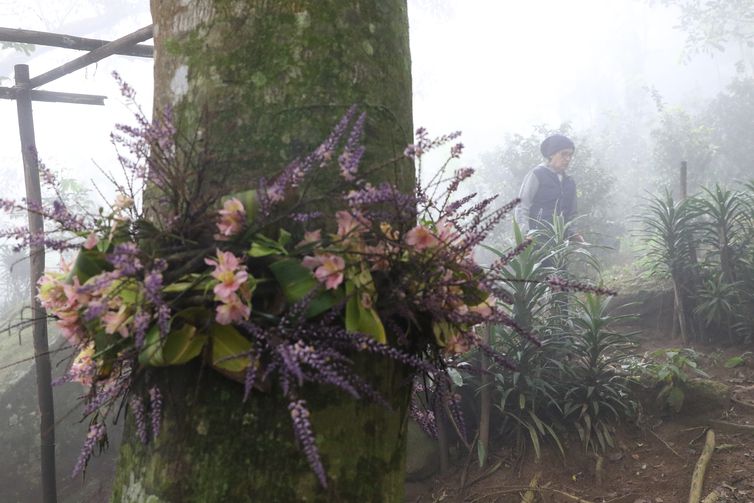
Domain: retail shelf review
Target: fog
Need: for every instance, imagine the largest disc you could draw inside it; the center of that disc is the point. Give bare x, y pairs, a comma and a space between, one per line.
620, 77
484, 67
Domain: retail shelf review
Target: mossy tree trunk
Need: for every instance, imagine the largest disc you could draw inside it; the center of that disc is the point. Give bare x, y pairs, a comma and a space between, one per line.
257, 83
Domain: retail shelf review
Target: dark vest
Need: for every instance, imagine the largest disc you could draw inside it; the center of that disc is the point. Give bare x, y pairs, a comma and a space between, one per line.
553, 196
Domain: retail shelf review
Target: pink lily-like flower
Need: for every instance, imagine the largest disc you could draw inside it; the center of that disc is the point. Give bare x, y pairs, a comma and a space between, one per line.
311, 237
83, 369
458, 344
115, 321
70, 328
232, 310
328, 269
229, 272
446, 232
484, 309
232, 218
421, 238
91, 241
348, 223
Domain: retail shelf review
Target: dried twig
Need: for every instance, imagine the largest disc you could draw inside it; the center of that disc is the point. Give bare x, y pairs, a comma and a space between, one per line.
658, 437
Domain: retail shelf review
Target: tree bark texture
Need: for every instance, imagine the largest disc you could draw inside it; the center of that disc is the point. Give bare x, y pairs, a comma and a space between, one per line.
254, 84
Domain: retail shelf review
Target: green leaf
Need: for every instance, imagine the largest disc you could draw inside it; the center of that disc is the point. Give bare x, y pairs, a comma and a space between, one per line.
360, 319
675, 399
456, 377
190, 284
88, 263
182, 345
481, 452
297, 281
736, 361
229, 348
263, 246
151, 352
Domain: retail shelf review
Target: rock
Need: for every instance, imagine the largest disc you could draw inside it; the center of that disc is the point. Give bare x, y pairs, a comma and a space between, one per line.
706, 396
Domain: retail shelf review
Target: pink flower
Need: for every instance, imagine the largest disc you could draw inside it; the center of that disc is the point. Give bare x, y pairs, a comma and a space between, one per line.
70, 328
50, 292
228, 272
115, 321
232, 218
458, 344
230, 281
485, 308
421, 238
446, 232
91, 241
349, 223
232, 310
83, 369
311, 237
328, 269
225, 260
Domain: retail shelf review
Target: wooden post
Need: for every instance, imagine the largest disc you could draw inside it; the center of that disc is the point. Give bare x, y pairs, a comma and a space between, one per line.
37, 258
485, 398
684, 181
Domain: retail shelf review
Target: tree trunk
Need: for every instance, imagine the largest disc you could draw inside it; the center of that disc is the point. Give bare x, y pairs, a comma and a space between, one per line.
254, 84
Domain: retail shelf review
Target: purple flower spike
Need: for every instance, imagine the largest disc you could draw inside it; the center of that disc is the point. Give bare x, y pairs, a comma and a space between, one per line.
303, 430
155, 405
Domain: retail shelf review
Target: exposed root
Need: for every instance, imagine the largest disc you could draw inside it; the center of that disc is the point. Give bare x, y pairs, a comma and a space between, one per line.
697, 479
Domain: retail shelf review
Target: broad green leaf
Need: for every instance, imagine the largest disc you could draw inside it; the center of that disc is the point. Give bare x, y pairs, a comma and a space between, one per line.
182, 345
88, 263
263, 246
360, 319
229, 348
297, 281
675, 399
151, 352
197, 316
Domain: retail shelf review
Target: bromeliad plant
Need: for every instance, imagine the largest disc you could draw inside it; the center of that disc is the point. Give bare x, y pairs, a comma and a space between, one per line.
263, 288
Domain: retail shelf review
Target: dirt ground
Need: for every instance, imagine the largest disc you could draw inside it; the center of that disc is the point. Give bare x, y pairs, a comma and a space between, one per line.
652, 462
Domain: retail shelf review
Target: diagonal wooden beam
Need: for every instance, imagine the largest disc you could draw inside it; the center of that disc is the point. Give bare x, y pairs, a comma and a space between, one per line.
11, 93
69, 42
92, 57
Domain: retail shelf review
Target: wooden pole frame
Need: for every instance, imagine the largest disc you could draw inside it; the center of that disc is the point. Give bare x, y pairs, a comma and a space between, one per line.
24, 93
70, 42
37, 258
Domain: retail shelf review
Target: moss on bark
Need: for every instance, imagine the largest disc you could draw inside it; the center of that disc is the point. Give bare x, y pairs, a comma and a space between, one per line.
253, 84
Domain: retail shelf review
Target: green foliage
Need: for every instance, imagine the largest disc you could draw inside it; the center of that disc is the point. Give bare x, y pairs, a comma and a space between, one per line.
596, 394
711, 26
572, 379
669, 369
705, 244
738, 361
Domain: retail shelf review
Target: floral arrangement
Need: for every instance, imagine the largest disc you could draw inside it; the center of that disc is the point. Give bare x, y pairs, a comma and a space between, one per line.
263, 287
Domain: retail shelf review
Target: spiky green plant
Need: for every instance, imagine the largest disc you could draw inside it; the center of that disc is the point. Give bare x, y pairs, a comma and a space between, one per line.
669, 235
597, 392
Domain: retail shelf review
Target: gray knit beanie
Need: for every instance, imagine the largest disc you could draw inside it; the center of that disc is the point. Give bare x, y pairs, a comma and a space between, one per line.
554, 144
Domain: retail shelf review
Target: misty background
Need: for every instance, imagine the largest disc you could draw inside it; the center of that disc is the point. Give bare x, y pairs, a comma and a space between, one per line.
640, 85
